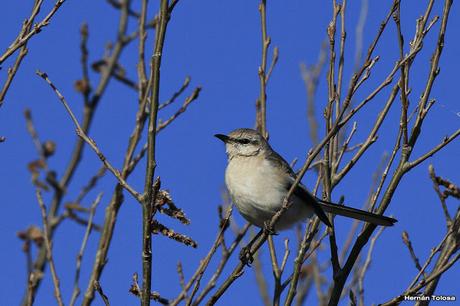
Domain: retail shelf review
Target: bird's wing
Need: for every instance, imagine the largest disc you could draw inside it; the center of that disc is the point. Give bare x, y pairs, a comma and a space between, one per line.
279, 162
300, 191
319, 206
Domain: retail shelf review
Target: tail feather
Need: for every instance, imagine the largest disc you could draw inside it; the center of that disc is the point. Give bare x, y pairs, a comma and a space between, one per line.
356, 214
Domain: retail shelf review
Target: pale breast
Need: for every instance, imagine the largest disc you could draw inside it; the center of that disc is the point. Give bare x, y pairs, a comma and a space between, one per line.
258, 190
253, 181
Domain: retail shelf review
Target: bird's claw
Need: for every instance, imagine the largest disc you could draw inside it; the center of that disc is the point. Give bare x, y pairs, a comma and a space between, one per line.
246, 256
268, 229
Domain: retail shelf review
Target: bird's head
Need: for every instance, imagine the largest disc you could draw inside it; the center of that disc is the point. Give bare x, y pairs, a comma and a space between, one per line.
243, 142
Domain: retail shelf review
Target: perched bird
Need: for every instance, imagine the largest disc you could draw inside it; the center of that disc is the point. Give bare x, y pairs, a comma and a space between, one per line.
259, 179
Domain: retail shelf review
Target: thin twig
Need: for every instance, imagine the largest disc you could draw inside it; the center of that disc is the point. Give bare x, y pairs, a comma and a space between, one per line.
90, 141
90, 185
366, 265
223, 262
89, 109
23, 52
261, 280
84, 85
176, 94
57, 290
371, 138
404, 80
35, 138
181, 110
22, 39
205, 262
437, 181
344, 148
150, 191
433, 151
117, 5
76, 288
311, 76
422, 284
433, 252
162, 125
155, 296
180, 272
363, 238
408, 243
117, 197
261, 103
98, 288
359, 32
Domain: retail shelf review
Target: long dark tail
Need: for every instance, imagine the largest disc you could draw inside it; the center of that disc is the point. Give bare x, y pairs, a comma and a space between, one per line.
356, 213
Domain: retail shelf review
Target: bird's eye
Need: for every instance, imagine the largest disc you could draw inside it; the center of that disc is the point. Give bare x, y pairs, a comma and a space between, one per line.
244, 141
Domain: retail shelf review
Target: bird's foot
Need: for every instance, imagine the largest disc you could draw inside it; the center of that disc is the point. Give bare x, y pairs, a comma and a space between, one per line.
268, 229
246, 256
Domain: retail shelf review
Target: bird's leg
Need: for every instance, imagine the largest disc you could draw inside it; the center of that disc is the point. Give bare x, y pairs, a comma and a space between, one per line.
246, 256
268, 229
245, 253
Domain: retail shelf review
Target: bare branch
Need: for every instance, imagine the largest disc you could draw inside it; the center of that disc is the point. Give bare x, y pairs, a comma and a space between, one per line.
91, 184
431, 278
311, 75
24, 37
433, 151
155, 296
57, 290
90, 141
177, 93
408, 243
366, 265
98, 288
261, 280
205, 262
359, 31
371, 138
117, 5
227, 253
261, 103
76, 289
181, 110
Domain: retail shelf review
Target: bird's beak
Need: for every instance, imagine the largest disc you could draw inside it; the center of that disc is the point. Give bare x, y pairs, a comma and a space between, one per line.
222, 137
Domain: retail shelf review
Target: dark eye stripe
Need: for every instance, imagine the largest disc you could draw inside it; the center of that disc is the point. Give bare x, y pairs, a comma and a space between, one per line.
245, 141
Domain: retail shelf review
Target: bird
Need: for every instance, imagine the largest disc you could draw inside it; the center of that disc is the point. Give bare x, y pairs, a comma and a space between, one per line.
258, 179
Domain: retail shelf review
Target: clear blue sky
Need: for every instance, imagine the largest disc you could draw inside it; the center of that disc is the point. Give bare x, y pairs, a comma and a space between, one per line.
218, 44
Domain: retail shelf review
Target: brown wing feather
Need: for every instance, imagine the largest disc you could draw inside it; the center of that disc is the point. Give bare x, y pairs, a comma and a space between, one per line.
300, 191
320, 206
